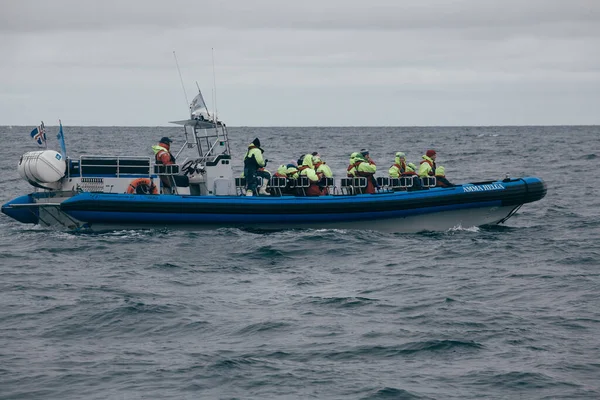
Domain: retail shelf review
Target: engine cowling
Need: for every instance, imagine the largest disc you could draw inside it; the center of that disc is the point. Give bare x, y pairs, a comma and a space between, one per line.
46, 166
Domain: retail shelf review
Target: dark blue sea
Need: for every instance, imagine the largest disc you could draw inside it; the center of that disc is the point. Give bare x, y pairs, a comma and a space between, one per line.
507, 312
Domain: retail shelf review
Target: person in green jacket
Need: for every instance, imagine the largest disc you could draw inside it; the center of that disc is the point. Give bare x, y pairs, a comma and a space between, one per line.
254, 165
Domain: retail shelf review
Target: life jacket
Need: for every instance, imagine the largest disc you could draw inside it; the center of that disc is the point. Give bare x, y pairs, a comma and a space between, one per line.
357, 172
250, 159
302, 168
158, 151
431, 164
404, 171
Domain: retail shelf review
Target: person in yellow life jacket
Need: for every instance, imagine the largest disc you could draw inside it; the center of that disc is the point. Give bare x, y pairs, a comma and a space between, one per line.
401, 167
440, 178
322, 168
427, 166
367, 156
360, 167
254, 165
163, 156
281, 171
308, 169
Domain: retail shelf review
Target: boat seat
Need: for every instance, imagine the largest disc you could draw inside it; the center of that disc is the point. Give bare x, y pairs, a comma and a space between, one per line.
428, 181
240, 186
330, 185
181, 180
302, 183
277, 185
355, 185
402, 183
383, 181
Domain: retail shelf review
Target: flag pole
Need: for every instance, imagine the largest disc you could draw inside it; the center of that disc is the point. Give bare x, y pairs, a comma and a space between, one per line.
43, 135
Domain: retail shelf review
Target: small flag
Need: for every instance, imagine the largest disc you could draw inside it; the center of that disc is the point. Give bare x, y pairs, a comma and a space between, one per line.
61, 140
39, 134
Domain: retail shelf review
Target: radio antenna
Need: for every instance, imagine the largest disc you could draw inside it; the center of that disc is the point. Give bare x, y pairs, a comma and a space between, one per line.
187, 103
214, 84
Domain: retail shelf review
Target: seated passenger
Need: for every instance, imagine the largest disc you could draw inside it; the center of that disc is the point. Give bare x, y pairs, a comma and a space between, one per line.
401, 168
440, 178
292, 170
427, 166
323, 168
360, 167
308, 169
281, 171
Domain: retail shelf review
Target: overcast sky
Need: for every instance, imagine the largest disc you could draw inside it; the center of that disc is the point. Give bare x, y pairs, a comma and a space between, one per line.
301, 63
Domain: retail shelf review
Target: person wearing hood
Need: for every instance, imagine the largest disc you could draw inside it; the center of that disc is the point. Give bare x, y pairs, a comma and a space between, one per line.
440, 178
321, 166
254, 165
308, 169
289, 171
401, 167
323, 169
427, 166
360, 167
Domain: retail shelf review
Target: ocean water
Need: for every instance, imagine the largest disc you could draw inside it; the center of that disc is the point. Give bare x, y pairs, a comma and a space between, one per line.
508, 312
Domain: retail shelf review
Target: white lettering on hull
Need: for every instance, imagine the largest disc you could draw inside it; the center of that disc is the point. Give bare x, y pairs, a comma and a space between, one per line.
483, 188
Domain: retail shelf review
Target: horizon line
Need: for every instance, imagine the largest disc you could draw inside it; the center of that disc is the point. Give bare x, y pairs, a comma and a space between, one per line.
317, 126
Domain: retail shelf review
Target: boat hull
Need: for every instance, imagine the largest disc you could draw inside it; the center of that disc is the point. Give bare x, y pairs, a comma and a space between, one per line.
486, 203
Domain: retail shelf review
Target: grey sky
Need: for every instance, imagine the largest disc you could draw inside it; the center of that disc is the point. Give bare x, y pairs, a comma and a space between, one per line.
327, 62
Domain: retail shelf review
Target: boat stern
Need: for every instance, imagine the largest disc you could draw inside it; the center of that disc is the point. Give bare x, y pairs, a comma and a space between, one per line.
22, 209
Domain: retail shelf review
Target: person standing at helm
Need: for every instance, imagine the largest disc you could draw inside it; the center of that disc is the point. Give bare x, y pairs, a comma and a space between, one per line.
254, 164
360, 167
162, 152
163, 156
427, 167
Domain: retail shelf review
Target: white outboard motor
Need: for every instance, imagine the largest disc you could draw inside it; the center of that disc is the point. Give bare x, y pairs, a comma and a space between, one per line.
40, 168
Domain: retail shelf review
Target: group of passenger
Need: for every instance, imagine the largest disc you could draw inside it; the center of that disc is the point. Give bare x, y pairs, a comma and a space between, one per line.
317, 171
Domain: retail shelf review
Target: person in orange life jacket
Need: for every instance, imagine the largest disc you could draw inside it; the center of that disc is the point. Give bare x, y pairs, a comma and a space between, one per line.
360, 167
163, 156
308, 169
254, 164
440, 178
